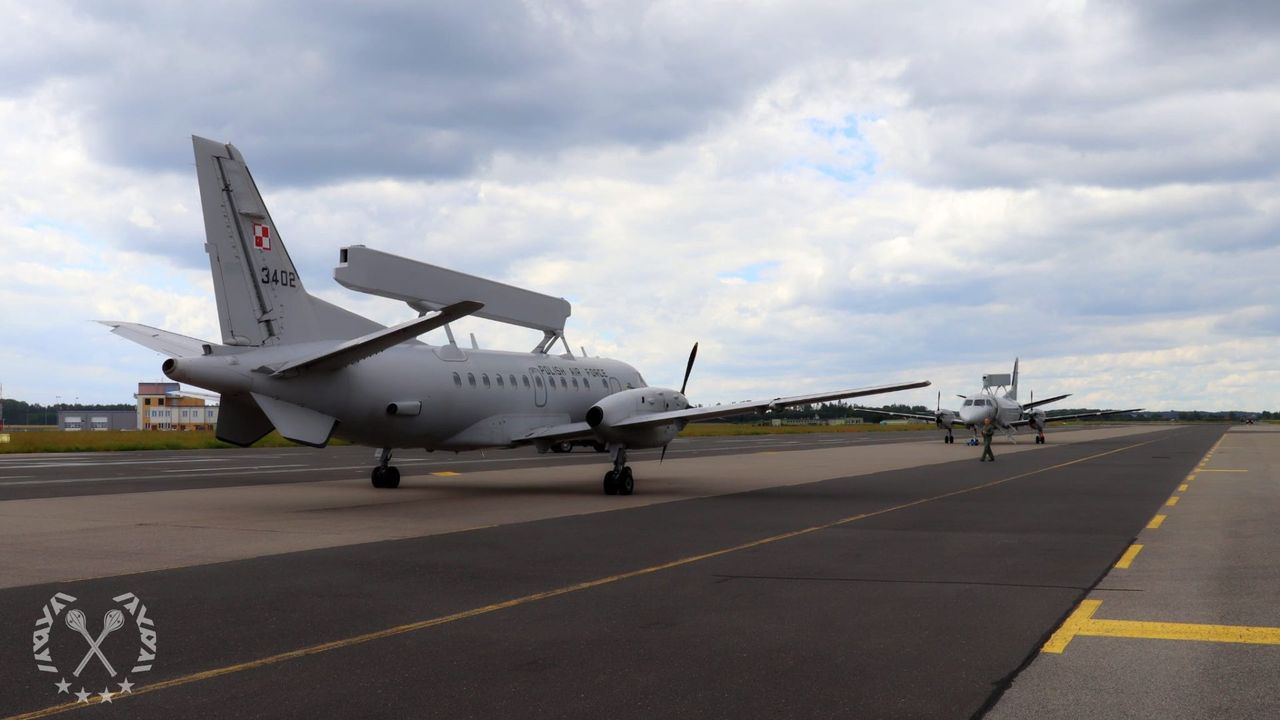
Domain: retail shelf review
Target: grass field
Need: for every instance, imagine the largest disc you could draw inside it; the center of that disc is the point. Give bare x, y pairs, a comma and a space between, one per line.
59, 441
727, 429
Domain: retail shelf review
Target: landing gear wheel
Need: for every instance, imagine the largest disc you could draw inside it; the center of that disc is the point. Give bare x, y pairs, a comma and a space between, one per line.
626, 482
1039, 439
562, 447
386, 477
611, 483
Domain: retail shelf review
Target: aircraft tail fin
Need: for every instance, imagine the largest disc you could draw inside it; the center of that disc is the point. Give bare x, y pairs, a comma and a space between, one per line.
260, 296
1013, 386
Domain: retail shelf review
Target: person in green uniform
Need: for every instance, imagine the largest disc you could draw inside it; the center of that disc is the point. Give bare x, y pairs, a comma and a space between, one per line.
988, 430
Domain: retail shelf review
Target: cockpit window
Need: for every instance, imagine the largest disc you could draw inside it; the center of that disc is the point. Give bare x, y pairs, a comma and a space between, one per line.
967, 403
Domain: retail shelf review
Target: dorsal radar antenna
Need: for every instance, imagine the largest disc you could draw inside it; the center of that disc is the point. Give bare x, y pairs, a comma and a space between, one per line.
427, 287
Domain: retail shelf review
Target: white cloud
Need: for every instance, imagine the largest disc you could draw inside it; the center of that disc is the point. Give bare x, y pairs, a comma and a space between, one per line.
823, 197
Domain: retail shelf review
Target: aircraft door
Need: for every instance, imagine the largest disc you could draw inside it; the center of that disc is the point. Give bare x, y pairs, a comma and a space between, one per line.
539, 387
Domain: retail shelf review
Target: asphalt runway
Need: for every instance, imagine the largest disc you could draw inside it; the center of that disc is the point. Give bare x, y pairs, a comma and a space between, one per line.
108, 473
897, 578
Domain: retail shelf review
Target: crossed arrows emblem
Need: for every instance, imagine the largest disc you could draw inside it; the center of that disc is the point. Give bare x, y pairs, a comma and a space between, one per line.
112, 621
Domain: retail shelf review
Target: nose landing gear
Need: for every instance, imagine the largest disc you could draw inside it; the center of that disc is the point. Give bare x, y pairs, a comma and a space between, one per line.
384, 474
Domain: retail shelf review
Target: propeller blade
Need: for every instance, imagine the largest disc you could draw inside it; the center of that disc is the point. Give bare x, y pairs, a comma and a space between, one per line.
939, 410
688, 369
663, 456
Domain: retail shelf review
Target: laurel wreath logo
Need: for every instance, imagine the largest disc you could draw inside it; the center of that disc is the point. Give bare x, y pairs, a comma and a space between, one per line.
60, 615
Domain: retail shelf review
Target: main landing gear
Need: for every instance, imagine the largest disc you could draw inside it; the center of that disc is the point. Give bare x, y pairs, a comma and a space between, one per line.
949, 439
619, 480
385, 475
1040, 439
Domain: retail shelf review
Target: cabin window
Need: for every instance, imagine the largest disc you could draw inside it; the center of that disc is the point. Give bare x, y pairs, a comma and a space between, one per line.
499, 379
526, 380
551, 383
471, 379
457, 380
538, 380
513, 380
564, 384
485, 378
575, 383
586, 383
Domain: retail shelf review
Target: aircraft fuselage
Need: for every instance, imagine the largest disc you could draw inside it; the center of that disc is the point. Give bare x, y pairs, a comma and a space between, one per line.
469, 398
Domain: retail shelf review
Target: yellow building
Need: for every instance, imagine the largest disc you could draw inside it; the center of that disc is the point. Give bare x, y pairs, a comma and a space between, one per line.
163, 406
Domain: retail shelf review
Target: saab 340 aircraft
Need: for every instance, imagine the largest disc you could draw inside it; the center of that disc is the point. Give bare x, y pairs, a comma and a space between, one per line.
292, 362
1004, 410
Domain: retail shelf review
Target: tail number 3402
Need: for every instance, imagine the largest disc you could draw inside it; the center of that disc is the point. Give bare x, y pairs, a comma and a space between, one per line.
283, 278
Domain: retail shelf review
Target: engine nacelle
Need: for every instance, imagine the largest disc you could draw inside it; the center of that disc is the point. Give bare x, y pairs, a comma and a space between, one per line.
945, 419
629, 404
1036, 421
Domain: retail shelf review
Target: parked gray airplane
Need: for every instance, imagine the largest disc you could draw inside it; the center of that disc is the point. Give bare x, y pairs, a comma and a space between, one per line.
1004, 410
292, 362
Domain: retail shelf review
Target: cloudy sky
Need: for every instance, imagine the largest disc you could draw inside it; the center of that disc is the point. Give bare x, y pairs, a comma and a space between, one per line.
823, 194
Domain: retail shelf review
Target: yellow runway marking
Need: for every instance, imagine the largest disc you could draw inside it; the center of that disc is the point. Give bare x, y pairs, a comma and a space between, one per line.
446, 473
1171, 501
1156, 522
1082, 623
1182, 487
535, 597
1230, 471
1191, 477
1127, 559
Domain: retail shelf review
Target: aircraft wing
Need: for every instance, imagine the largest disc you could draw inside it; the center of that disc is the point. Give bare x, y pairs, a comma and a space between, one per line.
1076, 416
555, 433
357, 349
891, 413
162, 341
740, 408
1045, 401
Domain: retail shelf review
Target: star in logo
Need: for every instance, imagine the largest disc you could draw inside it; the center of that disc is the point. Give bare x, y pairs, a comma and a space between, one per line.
105, 695
82, 696
63, 687
126, 687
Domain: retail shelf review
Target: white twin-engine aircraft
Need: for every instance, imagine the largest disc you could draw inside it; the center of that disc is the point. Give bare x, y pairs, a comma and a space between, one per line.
293, 362
1002, 408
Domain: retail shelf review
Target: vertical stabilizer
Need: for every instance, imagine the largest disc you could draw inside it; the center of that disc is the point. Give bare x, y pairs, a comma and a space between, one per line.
261, 300
1013, 386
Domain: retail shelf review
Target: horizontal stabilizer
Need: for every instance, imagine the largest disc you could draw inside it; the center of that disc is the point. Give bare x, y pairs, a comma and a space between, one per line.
295, 422
162, 341
430, 287
240, 422
358, 349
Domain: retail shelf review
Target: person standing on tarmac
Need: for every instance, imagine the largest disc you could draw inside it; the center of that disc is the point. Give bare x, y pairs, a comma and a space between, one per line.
988, 430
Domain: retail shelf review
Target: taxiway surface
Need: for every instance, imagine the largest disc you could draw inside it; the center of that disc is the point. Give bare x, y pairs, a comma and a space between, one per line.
869, 579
